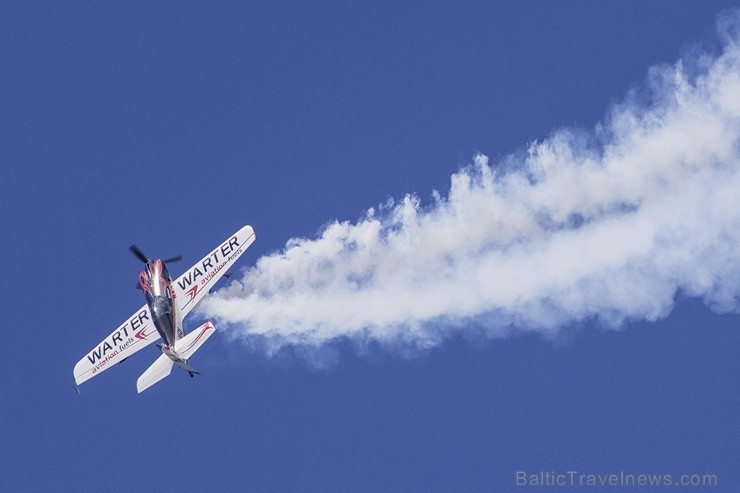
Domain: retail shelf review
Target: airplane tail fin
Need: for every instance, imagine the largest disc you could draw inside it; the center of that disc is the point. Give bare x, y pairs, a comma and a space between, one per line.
161, 368
185, 366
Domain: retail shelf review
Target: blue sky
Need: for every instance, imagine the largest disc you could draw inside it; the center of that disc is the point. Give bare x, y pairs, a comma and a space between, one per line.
171, 126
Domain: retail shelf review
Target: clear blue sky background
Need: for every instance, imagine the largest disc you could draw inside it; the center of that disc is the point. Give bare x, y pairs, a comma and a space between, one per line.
173, 124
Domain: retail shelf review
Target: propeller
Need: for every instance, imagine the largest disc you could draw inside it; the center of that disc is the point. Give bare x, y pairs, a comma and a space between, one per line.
141, 256
138, 253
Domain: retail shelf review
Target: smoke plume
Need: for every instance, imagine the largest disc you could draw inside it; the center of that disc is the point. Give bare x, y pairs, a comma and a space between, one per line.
605, 226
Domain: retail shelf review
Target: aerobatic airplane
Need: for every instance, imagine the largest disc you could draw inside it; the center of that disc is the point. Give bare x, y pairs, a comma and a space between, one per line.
167, 304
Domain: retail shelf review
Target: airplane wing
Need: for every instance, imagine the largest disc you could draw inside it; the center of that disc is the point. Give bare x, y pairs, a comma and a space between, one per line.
195, 283
134, 334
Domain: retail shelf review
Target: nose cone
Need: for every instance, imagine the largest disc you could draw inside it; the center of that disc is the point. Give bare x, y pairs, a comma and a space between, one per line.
154, 267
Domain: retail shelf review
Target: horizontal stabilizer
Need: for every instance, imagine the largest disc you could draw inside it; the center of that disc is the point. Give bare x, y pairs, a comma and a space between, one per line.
159, 369
188, 345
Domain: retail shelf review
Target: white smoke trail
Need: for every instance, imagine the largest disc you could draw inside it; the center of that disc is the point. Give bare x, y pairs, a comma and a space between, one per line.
607, 225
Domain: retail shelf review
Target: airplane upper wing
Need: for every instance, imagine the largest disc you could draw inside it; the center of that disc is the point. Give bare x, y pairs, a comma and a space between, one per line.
135, 333
195, 283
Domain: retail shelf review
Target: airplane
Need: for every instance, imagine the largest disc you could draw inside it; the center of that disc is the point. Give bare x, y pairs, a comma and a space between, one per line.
167, 304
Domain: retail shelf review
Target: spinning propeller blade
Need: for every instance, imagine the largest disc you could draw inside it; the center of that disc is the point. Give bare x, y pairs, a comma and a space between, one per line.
138, 253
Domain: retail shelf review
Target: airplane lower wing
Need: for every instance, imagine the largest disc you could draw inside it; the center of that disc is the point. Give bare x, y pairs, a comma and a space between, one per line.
195, 283
134, 334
